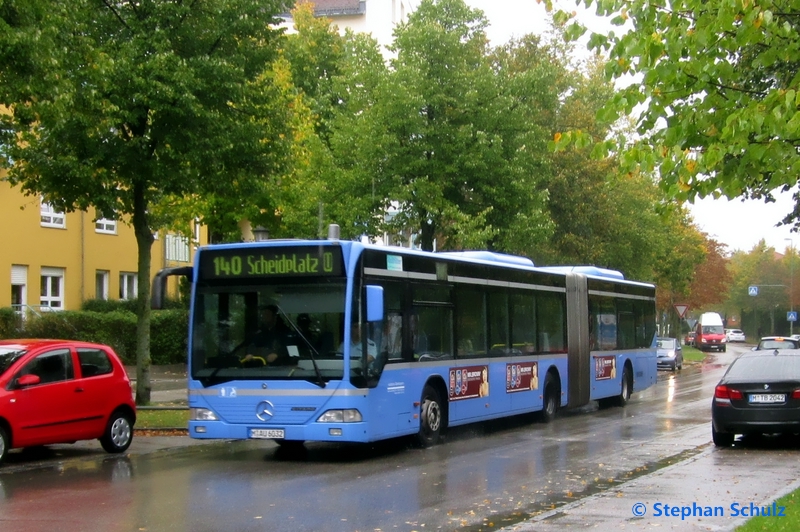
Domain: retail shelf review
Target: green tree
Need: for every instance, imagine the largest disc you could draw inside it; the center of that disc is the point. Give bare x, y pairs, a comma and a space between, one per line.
436, 138
123, 105
717, 82
770, 272
608, 217
354, 168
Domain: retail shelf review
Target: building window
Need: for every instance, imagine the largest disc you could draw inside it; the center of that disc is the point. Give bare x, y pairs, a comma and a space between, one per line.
19, 288
52, 289
104, 225
196, 234
17, 296
101, 284
177, 248
51, 217
127, 285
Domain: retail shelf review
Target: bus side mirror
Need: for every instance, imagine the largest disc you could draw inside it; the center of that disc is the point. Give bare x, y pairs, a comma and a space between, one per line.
374, 303
159, 287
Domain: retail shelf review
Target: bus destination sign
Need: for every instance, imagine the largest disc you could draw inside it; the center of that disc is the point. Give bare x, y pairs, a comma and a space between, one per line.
294, 261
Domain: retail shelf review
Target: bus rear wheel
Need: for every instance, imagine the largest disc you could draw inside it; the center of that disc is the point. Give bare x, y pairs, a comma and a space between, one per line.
430, 417
551, 399
627, 384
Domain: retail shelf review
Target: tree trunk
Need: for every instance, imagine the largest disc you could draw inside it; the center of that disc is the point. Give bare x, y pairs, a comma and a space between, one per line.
144, 243
426, 236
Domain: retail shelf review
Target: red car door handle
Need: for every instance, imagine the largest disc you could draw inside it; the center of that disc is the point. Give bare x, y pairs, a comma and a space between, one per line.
78, 389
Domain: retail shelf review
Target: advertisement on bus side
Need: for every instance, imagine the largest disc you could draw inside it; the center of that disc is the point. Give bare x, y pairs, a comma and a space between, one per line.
469, 382
521, 377
605, 367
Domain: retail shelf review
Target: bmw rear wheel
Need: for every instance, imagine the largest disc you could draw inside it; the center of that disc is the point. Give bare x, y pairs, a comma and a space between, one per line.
721, 439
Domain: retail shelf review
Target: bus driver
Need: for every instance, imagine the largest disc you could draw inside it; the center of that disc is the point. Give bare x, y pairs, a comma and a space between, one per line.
268, 346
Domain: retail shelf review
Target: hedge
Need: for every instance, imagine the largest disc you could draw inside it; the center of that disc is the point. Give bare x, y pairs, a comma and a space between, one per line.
168, 331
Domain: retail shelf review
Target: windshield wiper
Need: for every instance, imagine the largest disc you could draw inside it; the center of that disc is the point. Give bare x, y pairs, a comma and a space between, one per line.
311, 349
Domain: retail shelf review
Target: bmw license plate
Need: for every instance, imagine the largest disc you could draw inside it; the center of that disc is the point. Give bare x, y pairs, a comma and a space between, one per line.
267, 434
766, 398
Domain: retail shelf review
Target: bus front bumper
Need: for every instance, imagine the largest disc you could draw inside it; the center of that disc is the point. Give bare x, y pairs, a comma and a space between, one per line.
329, 432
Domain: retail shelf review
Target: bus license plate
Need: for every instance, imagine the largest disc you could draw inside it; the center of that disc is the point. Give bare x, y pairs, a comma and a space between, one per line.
267, 434
767, 398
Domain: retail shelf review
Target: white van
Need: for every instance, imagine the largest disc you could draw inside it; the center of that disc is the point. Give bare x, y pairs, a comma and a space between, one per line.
709, 333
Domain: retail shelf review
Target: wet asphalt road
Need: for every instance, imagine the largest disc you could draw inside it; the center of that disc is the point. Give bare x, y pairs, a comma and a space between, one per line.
590, 468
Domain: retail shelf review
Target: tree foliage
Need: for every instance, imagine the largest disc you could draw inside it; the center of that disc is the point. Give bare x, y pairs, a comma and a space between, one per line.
436, 138
124, 105
717, 82
449, 138
772, 273
711, 278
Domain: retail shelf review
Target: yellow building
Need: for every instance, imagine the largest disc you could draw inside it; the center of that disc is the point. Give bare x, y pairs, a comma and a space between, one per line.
58, 260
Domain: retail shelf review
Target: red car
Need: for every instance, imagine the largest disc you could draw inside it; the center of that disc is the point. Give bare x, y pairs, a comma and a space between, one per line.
689, 338
61, 391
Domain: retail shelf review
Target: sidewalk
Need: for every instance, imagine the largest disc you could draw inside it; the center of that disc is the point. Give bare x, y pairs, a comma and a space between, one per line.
167, 383
708, 490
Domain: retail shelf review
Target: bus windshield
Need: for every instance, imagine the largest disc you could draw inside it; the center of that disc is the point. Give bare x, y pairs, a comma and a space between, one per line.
290, 330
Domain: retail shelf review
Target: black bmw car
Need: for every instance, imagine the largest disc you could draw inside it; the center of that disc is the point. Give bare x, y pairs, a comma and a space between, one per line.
760, 393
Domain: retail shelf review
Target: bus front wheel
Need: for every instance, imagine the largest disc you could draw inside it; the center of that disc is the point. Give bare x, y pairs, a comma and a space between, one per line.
430, 417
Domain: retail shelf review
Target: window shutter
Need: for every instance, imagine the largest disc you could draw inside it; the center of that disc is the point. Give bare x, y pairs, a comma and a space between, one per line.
19, 275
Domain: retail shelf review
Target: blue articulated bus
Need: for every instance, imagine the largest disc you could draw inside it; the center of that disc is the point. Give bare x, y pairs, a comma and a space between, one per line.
340, 341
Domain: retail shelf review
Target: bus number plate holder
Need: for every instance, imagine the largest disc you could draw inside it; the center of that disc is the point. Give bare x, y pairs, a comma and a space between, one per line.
267, 434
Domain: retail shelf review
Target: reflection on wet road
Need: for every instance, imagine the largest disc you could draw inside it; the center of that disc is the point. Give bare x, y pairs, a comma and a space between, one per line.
483, 477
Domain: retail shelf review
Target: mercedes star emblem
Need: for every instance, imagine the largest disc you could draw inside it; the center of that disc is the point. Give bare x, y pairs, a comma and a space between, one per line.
265, 410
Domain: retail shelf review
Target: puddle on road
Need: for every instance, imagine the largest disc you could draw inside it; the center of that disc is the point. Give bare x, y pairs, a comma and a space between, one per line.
552, 502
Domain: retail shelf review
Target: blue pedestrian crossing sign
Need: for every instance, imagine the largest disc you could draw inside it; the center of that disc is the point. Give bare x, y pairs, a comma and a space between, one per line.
791, 315
753, 291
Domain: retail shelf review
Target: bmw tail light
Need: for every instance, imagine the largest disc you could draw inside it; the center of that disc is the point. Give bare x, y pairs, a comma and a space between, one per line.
724, 394
796, 394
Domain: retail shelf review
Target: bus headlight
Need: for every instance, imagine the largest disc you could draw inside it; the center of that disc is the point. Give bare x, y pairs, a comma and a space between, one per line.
350, 415
202, 414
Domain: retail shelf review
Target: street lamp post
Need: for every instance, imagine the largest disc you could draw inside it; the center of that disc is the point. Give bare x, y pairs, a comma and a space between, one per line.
260, 233
791, 282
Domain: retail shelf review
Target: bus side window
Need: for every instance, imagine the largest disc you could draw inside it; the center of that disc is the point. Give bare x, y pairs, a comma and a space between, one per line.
432, 338
470, 322
392, 336
419, 338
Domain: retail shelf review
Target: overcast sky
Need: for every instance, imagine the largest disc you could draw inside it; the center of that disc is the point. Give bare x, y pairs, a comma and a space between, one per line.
739, 225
